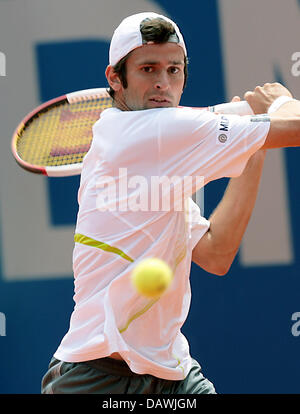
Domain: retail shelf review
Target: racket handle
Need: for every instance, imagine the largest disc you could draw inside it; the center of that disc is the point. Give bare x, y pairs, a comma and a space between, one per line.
238, 108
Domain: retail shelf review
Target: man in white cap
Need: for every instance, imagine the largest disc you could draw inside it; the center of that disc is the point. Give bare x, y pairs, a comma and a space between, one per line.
119, 341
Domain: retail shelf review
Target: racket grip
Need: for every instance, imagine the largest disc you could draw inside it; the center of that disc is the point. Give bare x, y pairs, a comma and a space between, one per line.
238, 108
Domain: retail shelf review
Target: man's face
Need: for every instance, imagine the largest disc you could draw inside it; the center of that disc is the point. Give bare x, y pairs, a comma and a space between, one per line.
155, 77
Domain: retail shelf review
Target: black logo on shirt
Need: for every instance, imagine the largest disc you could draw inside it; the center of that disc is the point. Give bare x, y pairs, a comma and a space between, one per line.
222, 138
224, 124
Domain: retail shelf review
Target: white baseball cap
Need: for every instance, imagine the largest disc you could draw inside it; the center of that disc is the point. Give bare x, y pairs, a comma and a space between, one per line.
128, 37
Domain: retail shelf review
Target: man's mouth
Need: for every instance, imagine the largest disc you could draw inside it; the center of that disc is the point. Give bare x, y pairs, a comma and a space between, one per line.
160, 100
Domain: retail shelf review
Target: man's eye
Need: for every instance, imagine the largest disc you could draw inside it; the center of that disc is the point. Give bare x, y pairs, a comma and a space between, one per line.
174, 69
147, 69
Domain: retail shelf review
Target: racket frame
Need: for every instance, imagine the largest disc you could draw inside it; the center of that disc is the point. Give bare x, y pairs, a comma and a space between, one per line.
53, 171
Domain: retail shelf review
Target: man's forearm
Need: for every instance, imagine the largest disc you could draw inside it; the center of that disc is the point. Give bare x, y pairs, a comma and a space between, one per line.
285, 121
215, 252
285, 127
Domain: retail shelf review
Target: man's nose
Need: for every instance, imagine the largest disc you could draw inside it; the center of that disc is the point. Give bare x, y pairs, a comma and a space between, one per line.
162, 81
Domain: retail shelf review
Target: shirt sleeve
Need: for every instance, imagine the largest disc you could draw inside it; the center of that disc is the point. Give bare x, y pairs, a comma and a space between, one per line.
198, 143
199, 225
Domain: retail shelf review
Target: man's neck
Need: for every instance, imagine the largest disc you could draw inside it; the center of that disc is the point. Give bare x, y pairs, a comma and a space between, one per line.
120, 104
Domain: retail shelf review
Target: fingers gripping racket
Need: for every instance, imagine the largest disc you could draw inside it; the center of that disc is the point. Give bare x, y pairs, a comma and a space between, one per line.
54, 138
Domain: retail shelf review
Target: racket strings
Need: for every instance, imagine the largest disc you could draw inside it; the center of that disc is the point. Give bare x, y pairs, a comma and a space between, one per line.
62, 134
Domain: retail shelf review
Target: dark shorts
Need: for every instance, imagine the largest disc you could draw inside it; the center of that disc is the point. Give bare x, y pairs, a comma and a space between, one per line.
110, 376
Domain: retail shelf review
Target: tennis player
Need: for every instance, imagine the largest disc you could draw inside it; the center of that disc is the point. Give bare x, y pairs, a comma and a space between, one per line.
118, 341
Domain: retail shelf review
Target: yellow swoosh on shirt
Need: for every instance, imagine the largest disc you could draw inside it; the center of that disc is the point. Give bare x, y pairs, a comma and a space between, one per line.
136, 315
80, 238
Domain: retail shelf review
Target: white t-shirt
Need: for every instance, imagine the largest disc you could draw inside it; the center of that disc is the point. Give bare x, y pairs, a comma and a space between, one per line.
116, 228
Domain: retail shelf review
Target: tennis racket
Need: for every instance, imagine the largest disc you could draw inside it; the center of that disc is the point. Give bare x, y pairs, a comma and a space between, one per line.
54, 138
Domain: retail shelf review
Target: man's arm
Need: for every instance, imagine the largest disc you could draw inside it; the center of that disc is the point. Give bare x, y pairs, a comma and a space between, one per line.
285, 122
285, 127
217, 249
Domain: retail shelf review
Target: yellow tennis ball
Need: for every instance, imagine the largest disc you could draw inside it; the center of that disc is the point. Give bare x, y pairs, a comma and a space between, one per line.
151, 277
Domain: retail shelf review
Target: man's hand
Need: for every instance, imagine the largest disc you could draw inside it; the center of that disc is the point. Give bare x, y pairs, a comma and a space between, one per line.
263, 96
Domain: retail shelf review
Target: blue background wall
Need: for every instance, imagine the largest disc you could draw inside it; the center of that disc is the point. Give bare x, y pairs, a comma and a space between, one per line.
239, 326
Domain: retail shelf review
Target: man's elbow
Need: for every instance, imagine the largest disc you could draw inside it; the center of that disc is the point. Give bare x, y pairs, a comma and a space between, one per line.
225, 261
220, 269
224, 264
216, 267
223, 270
213, 260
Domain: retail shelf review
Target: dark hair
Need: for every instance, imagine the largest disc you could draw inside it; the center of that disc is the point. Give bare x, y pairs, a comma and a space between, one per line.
155, 30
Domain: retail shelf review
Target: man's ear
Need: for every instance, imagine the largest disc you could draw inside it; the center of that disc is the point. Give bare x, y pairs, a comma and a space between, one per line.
113, 78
